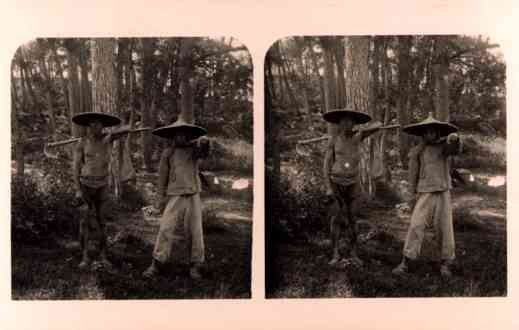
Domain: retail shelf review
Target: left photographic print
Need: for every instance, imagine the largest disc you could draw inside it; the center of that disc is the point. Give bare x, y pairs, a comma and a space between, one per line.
131, 169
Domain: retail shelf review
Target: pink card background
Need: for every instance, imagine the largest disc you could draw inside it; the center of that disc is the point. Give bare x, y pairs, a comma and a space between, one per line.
258, 24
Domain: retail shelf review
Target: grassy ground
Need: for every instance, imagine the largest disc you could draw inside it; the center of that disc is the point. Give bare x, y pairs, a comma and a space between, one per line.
302, 271
49, 271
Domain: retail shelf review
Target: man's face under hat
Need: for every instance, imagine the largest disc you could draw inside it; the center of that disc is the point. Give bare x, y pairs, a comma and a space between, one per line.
346, 123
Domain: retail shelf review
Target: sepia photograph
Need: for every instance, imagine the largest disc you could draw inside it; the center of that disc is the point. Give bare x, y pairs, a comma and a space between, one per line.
131, 168
385, 170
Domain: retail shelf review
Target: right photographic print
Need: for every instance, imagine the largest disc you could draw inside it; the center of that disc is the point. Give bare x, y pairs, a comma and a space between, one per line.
385, 170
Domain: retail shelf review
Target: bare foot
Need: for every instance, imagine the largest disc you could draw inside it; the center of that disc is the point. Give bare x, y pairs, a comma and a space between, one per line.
445, 271
334, 260
152, 271
194, 273
400, 270
84, 263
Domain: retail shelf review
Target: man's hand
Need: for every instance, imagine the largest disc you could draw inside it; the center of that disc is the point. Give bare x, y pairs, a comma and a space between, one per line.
453, 138
79, 197
79, 194
329, 197
202, 147
203, 143
160, 203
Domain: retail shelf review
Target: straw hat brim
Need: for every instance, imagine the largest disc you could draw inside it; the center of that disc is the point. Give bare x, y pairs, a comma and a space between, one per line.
419, 129
191, 131
85, 118
335, 116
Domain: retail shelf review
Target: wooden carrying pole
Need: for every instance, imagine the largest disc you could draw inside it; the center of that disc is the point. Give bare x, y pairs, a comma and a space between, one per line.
324, 137
74, 140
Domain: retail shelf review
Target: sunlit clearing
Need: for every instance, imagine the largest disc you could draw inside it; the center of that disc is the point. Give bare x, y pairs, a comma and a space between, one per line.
240, 184
497, 181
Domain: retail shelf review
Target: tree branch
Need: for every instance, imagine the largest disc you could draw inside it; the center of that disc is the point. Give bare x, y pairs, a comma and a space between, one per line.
221, 52
470, 50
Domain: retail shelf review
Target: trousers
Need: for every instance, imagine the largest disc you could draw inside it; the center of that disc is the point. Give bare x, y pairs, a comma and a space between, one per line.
188, 209
431, 208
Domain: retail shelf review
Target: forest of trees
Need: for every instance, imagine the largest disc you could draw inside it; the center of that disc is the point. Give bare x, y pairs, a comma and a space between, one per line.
144, 81
395, 79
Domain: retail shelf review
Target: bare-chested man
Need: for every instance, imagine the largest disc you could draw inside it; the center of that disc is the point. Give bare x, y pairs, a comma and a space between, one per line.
341, 174
91, 160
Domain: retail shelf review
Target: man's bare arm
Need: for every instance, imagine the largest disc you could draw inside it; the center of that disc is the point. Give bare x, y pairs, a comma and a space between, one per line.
328, 161
78, 163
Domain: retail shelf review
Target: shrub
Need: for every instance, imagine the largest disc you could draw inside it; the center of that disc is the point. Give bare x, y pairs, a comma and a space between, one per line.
37, 216
484, 153
297, 205
244, 126
230, 155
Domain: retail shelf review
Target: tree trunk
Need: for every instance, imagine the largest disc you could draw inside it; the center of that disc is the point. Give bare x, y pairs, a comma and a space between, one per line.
303, 79
315, 66
129, 75
186, 80
122, 67
269, 81
26, 104
404, 47
441, 77
60, 73
386, 81
104, 99
27, 81
283, 75
330, 88
377, 167
73, 85
48, 88
339, 54
85, 88
357, 88
148, 83
16, 132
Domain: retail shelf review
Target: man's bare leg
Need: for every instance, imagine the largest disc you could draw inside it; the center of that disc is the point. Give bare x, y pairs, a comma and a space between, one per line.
335, 233
83, 240
352, 230
102, 236
152, 270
